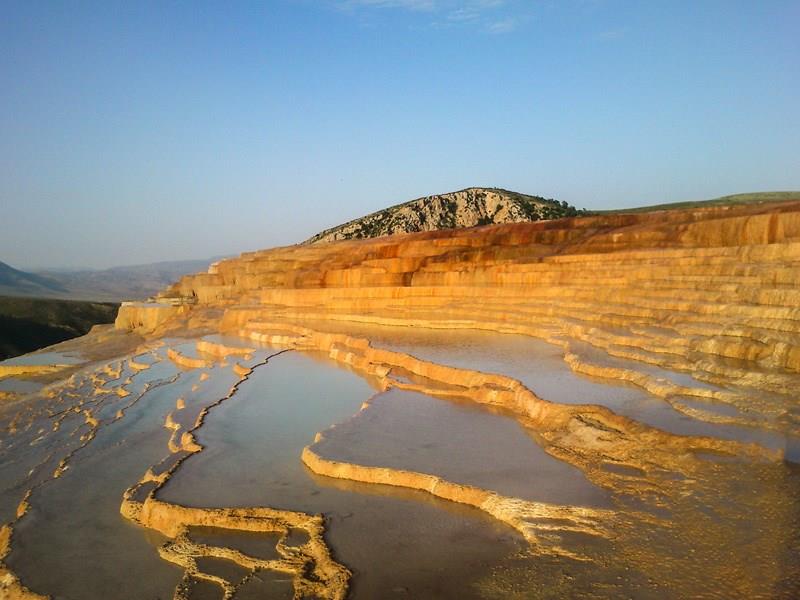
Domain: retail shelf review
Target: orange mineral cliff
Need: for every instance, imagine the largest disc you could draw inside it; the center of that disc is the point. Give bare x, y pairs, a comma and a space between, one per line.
714, 290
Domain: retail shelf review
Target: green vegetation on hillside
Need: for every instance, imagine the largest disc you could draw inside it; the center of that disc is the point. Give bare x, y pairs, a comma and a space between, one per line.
750, 198
27, 324
446, 211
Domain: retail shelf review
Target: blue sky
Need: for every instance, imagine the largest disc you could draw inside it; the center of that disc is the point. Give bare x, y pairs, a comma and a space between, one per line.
137, 132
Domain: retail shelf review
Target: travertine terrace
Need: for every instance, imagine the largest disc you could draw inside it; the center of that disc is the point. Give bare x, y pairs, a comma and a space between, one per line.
695, 310
688, 289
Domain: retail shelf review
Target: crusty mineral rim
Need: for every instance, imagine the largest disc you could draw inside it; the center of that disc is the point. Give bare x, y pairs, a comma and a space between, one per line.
10, 586
311, 565
485, 388
529, 518
759, 408
330, 578
551, 421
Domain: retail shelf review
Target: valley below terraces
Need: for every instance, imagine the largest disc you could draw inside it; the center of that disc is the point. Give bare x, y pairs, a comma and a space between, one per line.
601, 406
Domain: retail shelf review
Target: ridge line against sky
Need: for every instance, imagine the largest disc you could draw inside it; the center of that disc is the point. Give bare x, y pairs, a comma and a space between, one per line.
142, 133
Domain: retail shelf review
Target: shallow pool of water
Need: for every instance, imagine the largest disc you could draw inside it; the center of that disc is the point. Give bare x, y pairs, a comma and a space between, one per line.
390, 538
73, 543
43, 358
541, 368
460, 442
729, 529
19, 386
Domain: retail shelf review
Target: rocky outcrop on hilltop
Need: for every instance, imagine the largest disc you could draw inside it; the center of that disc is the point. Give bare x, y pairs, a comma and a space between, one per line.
467, 208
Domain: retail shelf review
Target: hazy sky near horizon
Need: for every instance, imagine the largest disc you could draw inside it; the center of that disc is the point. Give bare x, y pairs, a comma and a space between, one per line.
139, 132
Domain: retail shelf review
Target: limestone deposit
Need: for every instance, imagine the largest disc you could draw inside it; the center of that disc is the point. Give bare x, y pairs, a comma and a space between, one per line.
710, 292
694, 289
697, 309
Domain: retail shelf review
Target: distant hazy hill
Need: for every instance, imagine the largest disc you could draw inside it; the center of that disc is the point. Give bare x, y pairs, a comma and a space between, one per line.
466, 208
16, 282
135, 282
27, 324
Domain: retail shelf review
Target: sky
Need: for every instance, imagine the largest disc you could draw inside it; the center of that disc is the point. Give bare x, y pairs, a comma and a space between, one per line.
133, 132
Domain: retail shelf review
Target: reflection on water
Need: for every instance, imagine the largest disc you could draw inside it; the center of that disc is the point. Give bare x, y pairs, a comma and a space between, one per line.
726, 528
43, 358
73, 540
258, 545
715, 528
462, 443
388, 538
541, 368
19, 386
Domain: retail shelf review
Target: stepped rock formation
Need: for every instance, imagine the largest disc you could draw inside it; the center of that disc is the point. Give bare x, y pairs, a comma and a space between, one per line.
465, 208
688, 288
710, 294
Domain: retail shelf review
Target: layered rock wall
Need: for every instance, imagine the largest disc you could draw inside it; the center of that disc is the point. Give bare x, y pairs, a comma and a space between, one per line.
694, 289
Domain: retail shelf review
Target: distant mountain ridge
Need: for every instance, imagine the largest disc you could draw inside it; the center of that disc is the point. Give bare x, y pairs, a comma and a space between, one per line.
465, 208
134, 282
24, 283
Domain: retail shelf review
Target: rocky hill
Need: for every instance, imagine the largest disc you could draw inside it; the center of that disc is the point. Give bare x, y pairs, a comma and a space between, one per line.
466, 208
20, 283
